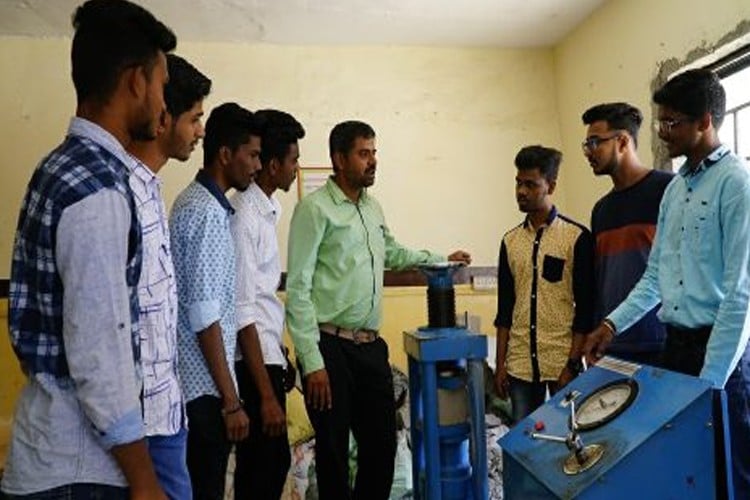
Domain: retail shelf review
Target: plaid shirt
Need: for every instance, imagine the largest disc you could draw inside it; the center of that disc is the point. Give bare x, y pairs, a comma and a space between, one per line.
79, 167
74, 317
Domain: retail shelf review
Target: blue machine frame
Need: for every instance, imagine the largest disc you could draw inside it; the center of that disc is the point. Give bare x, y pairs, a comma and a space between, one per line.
661, 447
430, 470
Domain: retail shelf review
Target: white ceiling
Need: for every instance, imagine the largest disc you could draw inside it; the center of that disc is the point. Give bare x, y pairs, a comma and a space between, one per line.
499, 23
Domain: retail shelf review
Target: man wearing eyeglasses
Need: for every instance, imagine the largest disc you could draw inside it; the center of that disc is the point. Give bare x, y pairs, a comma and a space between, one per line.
623, 223
699, 267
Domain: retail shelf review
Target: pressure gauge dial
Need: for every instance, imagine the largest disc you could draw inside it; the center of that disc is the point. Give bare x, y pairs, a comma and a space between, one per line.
605, 404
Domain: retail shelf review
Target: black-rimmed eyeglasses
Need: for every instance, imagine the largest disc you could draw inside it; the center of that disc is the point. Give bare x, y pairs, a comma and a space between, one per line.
593, 142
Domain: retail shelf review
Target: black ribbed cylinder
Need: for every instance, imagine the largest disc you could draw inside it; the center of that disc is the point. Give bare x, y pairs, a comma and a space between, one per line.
441, 307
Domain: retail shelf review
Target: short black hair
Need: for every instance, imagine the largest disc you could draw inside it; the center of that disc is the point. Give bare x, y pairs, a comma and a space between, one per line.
229, 125
547, 160
695, 93
344, 134
279, 130
618, 115
111, 36
186, 86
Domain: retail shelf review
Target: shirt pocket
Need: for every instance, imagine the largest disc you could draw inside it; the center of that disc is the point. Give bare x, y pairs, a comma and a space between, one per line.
703, 226
552, 268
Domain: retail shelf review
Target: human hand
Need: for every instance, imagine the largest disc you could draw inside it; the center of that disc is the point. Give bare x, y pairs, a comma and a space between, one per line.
501, 381
272, 417
566, 375
596, 343
460, 256
237, 424
318, 390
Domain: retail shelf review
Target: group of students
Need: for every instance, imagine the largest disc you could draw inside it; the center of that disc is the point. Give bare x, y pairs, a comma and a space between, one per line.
153, 344
664, 272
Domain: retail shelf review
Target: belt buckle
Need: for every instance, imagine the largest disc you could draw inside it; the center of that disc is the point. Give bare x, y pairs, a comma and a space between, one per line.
355, 335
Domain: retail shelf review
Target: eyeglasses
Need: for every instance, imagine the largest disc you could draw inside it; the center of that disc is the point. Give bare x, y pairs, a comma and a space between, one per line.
665, 125
591, 143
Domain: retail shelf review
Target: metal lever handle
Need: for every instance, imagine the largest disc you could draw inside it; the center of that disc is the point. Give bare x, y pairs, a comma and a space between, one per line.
573, 425
548, 437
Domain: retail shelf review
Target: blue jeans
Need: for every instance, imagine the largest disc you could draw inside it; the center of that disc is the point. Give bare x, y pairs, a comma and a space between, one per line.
525, 397
169, 454
83, 491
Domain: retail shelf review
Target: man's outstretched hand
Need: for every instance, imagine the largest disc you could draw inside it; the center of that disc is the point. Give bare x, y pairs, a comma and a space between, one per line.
460, 256
596, 343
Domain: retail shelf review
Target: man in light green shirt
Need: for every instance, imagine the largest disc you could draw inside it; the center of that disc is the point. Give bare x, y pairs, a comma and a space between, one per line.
339, 246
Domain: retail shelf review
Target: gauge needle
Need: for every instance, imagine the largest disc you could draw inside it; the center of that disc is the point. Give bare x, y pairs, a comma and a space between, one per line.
604, 404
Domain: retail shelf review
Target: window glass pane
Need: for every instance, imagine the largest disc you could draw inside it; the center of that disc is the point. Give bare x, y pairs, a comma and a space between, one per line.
726, 132
743, 132
737, 87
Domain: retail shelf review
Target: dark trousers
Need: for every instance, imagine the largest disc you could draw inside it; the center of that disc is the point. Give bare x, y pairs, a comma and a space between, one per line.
83, 491
685, 352
262, 461
525, 397
207, 448
362, 393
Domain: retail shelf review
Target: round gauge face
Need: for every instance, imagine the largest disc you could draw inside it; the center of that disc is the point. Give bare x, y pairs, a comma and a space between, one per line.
605, 403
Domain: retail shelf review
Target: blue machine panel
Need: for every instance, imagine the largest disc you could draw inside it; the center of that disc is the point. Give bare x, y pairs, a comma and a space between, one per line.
660, 446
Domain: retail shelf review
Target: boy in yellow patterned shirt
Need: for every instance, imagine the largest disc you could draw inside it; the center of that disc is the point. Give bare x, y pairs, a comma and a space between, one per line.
545, 289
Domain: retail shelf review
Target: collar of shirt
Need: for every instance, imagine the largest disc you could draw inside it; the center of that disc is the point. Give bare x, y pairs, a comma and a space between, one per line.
143, 173
338, 196
207, 182
710, 160
550, 219
267, 206
89, 130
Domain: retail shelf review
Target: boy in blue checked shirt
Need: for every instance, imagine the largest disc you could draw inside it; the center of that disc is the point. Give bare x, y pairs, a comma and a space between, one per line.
73, 315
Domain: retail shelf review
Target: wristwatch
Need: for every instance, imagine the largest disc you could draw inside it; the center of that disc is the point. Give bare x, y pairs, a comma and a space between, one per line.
575, 365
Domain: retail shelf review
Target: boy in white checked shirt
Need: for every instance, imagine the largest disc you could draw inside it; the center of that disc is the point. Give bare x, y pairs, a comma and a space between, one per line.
163, 403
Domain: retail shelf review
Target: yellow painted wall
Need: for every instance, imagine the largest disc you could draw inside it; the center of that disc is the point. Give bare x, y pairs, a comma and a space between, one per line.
11, 381
449, 122
614, 55
405, 309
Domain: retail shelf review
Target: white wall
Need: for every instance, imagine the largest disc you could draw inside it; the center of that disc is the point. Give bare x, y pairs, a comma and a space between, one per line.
449, 122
